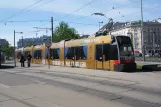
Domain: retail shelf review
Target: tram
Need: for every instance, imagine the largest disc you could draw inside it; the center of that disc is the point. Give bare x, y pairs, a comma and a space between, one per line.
111, 53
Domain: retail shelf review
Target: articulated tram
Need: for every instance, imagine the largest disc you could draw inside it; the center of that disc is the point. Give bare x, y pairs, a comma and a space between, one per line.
112, 53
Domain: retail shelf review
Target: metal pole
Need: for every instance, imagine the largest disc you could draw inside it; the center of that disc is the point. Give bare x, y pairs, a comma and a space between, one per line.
14, 50
49, 57
0, 58
22, 46
142, 35
52, 29
154, 42
64, 53
99, 25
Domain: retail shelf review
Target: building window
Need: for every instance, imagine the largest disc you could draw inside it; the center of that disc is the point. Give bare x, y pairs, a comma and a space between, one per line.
135, 30
154, 29
148, 36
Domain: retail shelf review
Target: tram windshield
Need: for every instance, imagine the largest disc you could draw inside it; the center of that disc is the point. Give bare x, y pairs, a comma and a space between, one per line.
125, 46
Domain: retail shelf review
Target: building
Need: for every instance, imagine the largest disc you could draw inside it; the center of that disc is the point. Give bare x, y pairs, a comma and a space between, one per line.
3, 42
36, 41
151, 31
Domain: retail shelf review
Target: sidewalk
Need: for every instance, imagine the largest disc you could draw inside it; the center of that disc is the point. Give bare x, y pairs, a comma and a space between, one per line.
141, 78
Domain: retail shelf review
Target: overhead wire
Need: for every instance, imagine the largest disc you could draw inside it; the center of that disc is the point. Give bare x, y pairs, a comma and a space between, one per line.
80, 23
109, 10
34, 7
78, 9
76, 23
20, 11
91, 24
137, 12
21, 21
24, 21
39, 5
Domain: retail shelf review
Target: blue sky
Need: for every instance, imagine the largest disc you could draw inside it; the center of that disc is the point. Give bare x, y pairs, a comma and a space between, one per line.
61, 8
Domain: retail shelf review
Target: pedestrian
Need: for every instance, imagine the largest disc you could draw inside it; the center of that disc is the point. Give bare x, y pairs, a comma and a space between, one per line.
29, 59
22, 60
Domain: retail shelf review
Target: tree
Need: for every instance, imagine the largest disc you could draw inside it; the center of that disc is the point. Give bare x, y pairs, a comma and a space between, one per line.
29, 44
63, 31
8, 50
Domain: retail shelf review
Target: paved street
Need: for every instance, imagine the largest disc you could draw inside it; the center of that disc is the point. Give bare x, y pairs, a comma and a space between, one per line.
39, 86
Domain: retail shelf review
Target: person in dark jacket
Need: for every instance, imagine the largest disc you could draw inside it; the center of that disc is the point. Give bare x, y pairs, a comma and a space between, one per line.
22, 60
29, 59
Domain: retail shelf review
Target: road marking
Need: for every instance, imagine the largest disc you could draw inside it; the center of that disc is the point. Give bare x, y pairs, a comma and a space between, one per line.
4, 86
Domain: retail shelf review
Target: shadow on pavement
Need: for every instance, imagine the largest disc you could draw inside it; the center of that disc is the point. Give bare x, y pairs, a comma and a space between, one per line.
6, 67
149, 68
154, 67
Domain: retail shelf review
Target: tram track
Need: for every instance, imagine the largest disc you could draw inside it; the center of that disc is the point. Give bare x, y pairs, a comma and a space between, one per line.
69, 82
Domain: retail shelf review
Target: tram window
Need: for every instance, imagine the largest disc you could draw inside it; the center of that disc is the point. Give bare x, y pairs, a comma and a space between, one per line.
99, 52
70, 53
35, 54
26, 53
55, 53
78, 52
113, 52
81, 52
106, 48
38, 54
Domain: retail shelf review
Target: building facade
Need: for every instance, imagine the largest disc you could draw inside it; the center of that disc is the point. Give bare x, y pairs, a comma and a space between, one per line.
151, 33
3, 42
36, 41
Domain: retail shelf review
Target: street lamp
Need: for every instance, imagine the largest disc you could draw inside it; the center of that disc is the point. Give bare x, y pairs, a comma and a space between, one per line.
100, 24
15, 47
142, 28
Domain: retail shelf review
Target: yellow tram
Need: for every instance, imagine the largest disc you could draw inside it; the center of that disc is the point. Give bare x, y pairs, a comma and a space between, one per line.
112, 53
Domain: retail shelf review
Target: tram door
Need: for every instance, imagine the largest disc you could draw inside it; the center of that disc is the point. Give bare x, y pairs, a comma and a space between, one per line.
101, 56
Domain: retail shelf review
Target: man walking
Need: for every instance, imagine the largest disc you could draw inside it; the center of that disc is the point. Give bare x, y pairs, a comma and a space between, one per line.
29, 59
22, 60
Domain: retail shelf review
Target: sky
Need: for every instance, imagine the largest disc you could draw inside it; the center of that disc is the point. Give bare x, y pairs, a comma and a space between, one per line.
15, 15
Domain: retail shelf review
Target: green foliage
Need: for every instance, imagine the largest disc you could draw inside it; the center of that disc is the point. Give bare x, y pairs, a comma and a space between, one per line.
29, 45
139, 67
63, 32
8, 50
